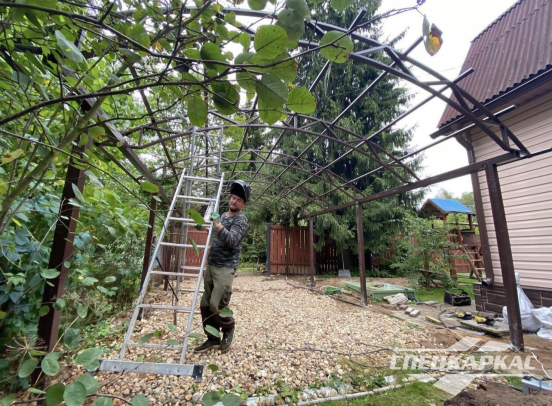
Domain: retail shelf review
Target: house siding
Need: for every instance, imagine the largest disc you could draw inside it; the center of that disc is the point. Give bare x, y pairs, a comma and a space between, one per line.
527, 193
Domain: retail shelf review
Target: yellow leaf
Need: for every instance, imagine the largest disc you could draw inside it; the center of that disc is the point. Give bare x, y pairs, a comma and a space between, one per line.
12, 156
16, 222
217, 7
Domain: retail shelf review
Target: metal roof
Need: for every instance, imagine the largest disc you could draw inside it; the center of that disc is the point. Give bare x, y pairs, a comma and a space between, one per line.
446, 206
513, 49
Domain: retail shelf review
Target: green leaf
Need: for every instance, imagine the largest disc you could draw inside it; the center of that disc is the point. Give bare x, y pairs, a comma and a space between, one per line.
27, 368
231, 400
213, 367
89, 355
145, 338
59, 304
91, 366
226, 97
226, 312
68, 48
11, 156
245, 41
256, 4
2, 314
44, 310
211, 398
110, 279
49, 273
340, 5
7, 400
211, 52
74, 394
300, 7
272, 91
77, 192
131, 57
139, 34
195, 335
172, 342
171, 327
286, 71
195, 216
82, 311
340, 48
90, 383
293, 23
269, 114
35, 390
149, 187
140, 400
50, 366
246, 81
270, 41
54, 394
3, 363
194, 246
197, 111
243, 58
213, 331
112, 231
425, 26
102, 402
300, 100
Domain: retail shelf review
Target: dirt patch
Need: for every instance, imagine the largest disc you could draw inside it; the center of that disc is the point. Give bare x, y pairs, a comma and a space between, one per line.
493, 394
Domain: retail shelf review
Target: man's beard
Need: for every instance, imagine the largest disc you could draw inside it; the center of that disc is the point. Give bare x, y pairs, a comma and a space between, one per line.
231, 210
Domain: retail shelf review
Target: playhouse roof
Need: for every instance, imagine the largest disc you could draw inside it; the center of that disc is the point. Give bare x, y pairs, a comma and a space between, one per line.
446, 206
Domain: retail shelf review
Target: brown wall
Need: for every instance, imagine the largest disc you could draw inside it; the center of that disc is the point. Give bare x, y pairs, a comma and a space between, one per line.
491, 298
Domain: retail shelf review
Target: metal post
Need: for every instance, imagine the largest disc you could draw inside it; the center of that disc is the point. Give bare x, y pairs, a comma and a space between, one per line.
361, 263
149, 241
311, 251
287, 249
505, 255
62, 249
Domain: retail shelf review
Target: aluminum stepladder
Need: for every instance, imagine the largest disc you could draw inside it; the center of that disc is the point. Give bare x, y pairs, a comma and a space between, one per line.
191, 190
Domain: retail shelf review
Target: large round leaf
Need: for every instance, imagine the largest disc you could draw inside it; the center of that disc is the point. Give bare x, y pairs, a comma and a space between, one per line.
340, 5
74, 394
140, 400
246, 81
256, 4
293, 23
7, 400
102, 402
300, 100
27, 368
301, 7
210, 398
149, 187
54, 394
243, 58
245, 40
270, 41
340, 46
197, 111
269, 114
90, 383
50, 366
226, 97
211, 52
272, 91
88, 356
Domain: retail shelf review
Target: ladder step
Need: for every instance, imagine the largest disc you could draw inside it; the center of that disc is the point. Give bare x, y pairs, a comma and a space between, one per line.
165, 346
200, 179
178, 309
188, 220
191, 290
191, 275
152, 368
196, 199
172, 244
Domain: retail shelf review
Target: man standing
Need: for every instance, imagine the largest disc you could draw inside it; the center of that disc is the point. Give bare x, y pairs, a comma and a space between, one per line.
224, 257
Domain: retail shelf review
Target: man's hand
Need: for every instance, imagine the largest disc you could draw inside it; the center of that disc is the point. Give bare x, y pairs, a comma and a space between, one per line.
215, 218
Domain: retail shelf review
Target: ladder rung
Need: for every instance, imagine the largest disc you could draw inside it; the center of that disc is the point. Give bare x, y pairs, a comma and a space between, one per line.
185, 219
199, 199
191, 290
152, 368
178, 309
166, 346
195, 275
200, 179
172, 244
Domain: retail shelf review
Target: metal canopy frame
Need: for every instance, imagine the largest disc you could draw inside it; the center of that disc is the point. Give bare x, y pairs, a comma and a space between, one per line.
296, 188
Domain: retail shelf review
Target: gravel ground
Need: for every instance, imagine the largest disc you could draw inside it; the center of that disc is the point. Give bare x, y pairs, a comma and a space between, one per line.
283, 333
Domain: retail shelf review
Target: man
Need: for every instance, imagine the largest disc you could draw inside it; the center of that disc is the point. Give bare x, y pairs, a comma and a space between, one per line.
224, 257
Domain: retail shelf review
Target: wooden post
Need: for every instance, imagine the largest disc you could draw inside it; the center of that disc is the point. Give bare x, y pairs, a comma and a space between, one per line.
470, 220
361, 262
505, 255
311, 251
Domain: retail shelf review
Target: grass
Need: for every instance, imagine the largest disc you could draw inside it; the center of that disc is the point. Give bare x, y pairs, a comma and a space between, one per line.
424, 294
417, 393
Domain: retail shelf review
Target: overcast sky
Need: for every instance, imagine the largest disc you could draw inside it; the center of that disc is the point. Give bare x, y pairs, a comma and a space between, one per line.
461, 21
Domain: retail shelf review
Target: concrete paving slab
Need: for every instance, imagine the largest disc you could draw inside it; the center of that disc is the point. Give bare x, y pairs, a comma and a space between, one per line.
498, 329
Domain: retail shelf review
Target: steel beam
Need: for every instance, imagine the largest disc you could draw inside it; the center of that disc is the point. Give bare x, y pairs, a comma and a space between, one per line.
361, 262
311, 252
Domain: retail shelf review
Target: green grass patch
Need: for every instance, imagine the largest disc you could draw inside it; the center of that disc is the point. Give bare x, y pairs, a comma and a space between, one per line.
424, 294
417, 393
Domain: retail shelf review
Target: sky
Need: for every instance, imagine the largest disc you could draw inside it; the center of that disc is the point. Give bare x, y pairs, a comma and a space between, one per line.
461, 21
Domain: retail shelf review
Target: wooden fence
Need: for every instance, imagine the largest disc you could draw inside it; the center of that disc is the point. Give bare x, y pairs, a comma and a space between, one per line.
168, 257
